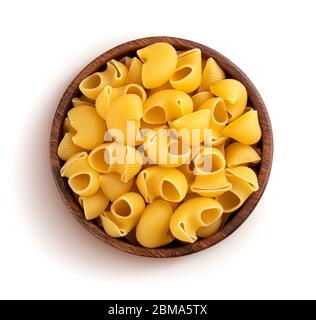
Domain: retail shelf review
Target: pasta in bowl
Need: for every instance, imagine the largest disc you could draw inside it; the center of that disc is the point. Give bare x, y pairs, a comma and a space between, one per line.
161, 147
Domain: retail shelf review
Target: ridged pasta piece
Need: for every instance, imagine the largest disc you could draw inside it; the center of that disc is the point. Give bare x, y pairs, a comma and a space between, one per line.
84, 182
114, 75
159, 64
134, 74
208, 161
82, 101
126, 61
188, 171
168, 183
163, 149
218, 120
90, 128
116, 158
235, 95
75, 163
244, 183
125, 110
166, 105
221, 148
67, 127
124, 215
199, 98
205, 232
152, 230
164, 86
211, 185
245, 129
113, 187
191, 127
212, 73
94, 205
109, 94
237, 154
188, 73
193, 215
67, 148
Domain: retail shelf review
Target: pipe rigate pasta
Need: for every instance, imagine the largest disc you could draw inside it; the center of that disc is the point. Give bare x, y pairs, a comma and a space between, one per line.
152, 231
191, 127
90, 128
113, 187
114, 75
188, 74
159, 64
212, 73
109, 94
134, 74
94, 205
193, 215
67, 148
168, 183
164, 86
235, 95
166, 105
116, 158
124, 215
245, 129
237, 154
126, 61
218, 120
125, 110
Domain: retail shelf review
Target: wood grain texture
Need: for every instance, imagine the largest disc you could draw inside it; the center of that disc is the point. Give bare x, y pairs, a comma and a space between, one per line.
175, 250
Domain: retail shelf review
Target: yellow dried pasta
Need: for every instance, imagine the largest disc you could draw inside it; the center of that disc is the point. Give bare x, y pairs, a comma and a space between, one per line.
153, 231
124, 215
199, 98
67, 148
94, 205
237, 154
159, 64
193, 215
188, 73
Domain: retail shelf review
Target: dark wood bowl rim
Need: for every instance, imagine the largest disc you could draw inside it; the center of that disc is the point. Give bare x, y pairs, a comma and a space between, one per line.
254, 99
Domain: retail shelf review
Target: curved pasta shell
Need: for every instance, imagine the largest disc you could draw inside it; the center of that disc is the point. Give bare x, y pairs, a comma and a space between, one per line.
160, 61
90, 128
152, 230
235, 95
246, 174
205, 232
67, 148
123, 118
245, 129
191, 127
82, 101
134, 74
192, 215
75, 163
212, 73
162, 149
240, 154
113, 187
124, 215
168, 183
188, 73
116, 158
94, 205
109, 94
208, 161
114, 75
211, 185
84, 182
218, 120
199, 98
166, 105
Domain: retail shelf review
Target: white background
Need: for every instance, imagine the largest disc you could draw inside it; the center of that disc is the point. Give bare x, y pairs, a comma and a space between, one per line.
45, 253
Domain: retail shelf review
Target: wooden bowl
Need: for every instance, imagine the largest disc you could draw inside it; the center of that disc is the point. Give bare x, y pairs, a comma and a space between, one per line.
254, 99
